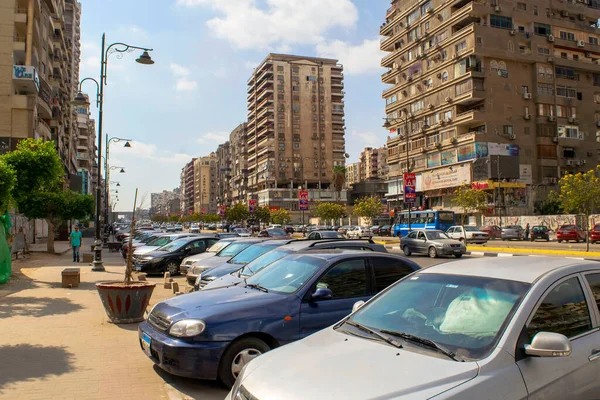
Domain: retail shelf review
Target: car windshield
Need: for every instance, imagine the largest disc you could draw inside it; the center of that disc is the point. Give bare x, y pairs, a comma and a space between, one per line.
174, 245
241, 230
276, 232
513, 227
568, 227
159, 241
233, 249
287, 274
471, 229
331, 235
262, 261
539, 228
446, 217
465, 314
218, 246
436, 235
252, 252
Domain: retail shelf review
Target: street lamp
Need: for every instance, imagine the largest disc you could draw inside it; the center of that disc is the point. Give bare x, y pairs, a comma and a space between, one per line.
107, 169
80, 98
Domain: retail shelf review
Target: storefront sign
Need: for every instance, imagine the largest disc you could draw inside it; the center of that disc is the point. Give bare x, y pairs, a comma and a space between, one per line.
449, 157
23, 72
480, 185
526, 174
410, 188
503, 149
433, 160
222, 210
447, 177
471, 151
252, 205
303, 200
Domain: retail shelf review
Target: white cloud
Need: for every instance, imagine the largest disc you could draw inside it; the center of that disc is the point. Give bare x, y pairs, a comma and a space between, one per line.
183, 83
279, 24
179, 70
360, 59
251, 64
213, 138
367, 139
147, 151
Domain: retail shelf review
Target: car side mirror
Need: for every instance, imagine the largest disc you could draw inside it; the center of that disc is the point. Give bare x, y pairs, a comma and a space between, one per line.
549, 344
357, 305
322, 294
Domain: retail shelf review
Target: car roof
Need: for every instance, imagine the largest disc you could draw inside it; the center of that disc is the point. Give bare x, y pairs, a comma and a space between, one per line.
301, 244
328, 254
522, 269
334, 232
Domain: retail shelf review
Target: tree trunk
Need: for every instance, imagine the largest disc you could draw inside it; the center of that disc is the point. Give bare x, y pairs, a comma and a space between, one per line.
587, 233
50, 242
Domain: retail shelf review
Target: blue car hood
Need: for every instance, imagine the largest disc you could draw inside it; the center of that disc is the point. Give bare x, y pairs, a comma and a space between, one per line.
210, 303
221, 270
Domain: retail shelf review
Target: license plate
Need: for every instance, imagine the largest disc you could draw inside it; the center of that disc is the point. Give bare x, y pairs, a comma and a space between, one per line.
457, 251
138, 267
146, 340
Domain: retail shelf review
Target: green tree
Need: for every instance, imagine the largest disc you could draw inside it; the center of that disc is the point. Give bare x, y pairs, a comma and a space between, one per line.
173, 218
551, 205
368, 207
580, 193
262, 215
237, 213
470, 200
157, 218
38, 190
211, 218
339, 179
8, 180
281, 216
327, 211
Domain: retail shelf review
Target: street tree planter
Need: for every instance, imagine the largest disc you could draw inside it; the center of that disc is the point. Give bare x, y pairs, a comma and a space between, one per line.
125, 301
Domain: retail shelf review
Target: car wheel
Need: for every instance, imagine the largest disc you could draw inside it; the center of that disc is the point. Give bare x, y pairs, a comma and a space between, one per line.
577, 240
237, 355
432, 252
559, 241
172, 268
458, 255
406, 251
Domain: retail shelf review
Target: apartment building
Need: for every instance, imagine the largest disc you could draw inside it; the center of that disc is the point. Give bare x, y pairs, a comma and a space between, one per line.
40, 55
504, 95
353, 173
205, 184
223, 175
239, 164
187, 187
373, 163
85, 141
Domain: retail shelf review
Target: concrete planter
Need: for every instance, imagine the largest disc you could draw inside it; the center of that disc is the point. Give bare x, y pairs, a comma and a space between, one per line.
125, 303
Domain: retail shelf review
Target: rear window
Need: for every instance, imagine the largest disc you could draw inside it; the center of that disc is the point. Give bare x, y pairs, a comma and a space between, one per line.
568, 227
388, 271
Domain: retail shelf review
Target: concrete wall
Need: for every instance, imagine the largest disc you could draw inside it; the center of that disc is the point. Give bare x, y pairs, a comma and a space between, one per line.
551, 221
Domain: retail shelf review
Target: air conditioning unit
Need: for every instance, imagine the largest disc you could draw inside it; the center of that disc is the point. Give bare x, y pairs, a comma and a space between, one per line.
453, 140
581, 17
401, 24
550, 38
512, 136
583, 162
512, 32
431, 107
455, 55
588, 54
527, 117
440, 17
564, 13
448, 100
423, 150
554, 180
438, 145
580, 43
550, 118
555, 139
569, 163
578, 163
409, 78
449, 120
497, 8
527, 96
550, 60
442, 122
430, 10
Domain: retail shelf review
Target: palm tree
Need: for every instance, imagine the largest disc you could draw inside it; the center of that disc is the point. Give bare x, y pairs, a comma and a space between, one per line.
339, 179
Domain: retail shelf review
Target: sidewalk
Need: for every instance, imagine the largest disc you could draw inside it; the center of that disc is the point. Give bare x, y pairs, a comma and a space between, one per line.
58, 344
60, 247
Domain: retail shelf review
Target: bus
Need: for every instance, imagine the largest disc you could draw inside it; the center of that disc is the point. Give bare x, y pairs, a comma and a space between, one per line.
427, 219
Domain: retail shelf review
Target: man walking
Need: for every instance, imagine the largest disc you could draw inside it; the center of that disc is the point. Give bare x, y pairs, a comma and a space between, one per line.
75, 243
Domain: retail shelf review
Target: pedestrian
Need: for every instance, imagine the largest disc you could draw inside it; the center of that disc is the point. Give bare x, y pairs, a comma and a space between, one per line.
527, 231
75, 243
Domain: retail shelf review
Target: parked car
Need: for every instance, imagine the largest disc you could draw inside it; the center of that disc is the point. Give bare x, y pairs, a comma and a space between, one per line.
243, 232
210, 252
225, 235
138, 241
539, 232
344, 229
288, 229
493, 231
359, 232
169, 257
432, 242
316, 235
570, 232
375, 229
309, 290
511, 232
467, 234
162, 240
266, 259
195, 228
178, 228
274, 233
385, 230
543, 309
595, 234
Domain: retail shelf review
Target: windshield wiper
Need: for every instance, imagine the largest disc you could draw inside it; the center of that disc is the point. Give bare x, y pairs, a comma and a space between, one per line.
257, 286
424, 341
374, 333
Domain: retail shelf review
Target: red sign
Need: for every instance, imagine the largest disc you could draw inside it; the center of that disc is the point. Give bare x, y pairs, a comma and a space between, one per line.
274, 208
252, 205
410, 188
203, 210
480, 185
222, 210
303, 200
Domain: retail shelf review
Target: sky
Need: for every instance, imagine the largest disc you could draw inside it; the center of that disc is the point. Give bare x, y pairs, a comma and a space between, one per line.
188, 102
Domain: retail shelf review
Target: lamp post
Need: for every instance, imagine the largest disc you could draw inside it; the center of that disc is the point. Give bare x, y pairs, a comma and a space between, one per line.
119, 48
107, 170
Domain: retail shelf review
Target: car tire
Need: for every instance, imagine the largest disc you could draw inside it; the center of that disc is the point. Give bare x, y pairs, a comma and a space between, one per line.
238, 354
559, 241
432, 252
406, 251
458, 255
172, 268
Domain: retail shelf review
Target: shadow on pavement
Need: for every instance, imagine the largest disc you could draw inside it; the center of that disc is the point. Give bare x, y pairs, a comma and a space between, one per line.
22, 363
36, 307
194, 388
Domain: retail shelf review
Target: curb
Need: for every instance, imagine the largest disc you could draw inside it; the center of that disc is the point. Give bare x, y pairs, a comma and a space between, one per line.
538, 251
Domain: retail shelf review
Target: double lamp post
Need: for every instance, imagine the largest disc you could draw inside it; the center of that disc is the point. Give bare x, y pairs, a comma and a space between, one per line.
81, 99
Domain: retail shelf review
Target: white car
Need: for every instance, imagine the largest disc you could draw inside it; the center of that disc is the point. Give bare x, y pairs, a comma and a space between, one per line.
242, 232
194, 228
467, 234
493, 328
360, 232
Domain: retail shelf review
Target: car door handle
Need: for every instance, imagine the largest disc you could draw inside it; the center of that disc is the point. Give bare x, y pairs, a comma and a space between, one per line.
595, 355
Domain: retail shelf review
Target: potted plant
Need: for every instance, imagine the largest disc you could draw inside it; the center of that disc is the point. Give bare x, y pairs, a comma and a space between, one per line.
125, 301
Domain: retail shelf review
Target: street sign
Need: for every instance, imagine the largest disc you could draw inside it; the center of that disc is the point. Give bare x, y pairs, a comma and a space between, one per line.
303, 200
252, 205
410, 188
222, 210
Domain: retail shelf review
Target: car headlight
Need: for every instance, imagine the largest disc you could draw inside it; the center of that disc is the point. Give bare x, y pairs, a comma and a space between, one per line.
155, 260
187, 328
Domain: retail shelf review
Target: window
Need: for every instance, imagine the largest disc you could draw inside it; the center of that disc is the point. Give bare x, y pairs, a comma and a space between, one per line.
311, 78
295, 70
414, 34
522, 6
543, 51
594, 282
535, 10
567, 35
413, 16
524, 89
499, 21
416, 106
522, 49
563, 55
596, 79
440, 37
597, 97
544, 110
593, 40
545, 90
427, 25
280, 68
542, 29
428, 83
461, 46
566, 91
346, 279
564, 311
564, 72
463, 87
569, 131
508, 130
391, 99
425, 6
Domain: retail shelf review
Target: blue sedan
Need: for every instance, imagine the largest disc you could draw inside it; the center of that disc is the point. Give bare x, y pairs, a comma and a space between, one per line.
213, 333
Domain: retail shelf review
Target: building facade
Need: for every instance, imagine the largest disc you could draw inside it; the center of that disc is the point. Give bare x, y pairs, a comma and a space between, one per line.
205, 184
187, 188
353, 173
85, 136
238, 145
223, 175
373, 163
479, 91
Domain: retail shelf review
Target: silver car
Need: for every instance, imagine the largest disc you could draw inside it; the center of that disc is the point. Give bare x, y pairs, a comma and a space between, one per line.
511, 232
434, 243
484, 328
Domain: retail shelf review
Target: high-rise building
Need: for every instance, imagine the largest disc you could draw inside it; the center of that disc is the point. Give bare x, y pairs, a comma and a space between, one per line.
353, 173
373, 163
504, 96
187, 187
223, 175
85, 142
40, 48
239, 164
205, 184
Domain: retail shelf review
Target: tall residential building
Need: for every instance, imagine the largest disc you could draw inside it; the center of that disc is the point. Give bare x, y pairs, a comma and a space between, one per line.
39, 51
504, 96
239, 164
373, 163
85, 137
223, 175
205, 184
187, 188
353, 173
295, 122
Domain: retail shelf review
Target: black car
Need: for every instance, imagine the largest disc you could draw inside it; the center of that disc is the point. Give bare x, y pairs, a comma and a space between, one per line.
385, 230
288, 229
539, 232
224, 235
316, 235
169, 257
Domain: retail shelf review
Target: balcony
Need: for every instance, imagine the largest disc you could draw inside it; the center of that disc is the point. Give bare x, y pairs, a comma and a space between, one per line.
266, 111
20, 15
469, 91
264, 102
338, 121
18, 43
475, 116
43, 129
389, 77
83, 156
337, 84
